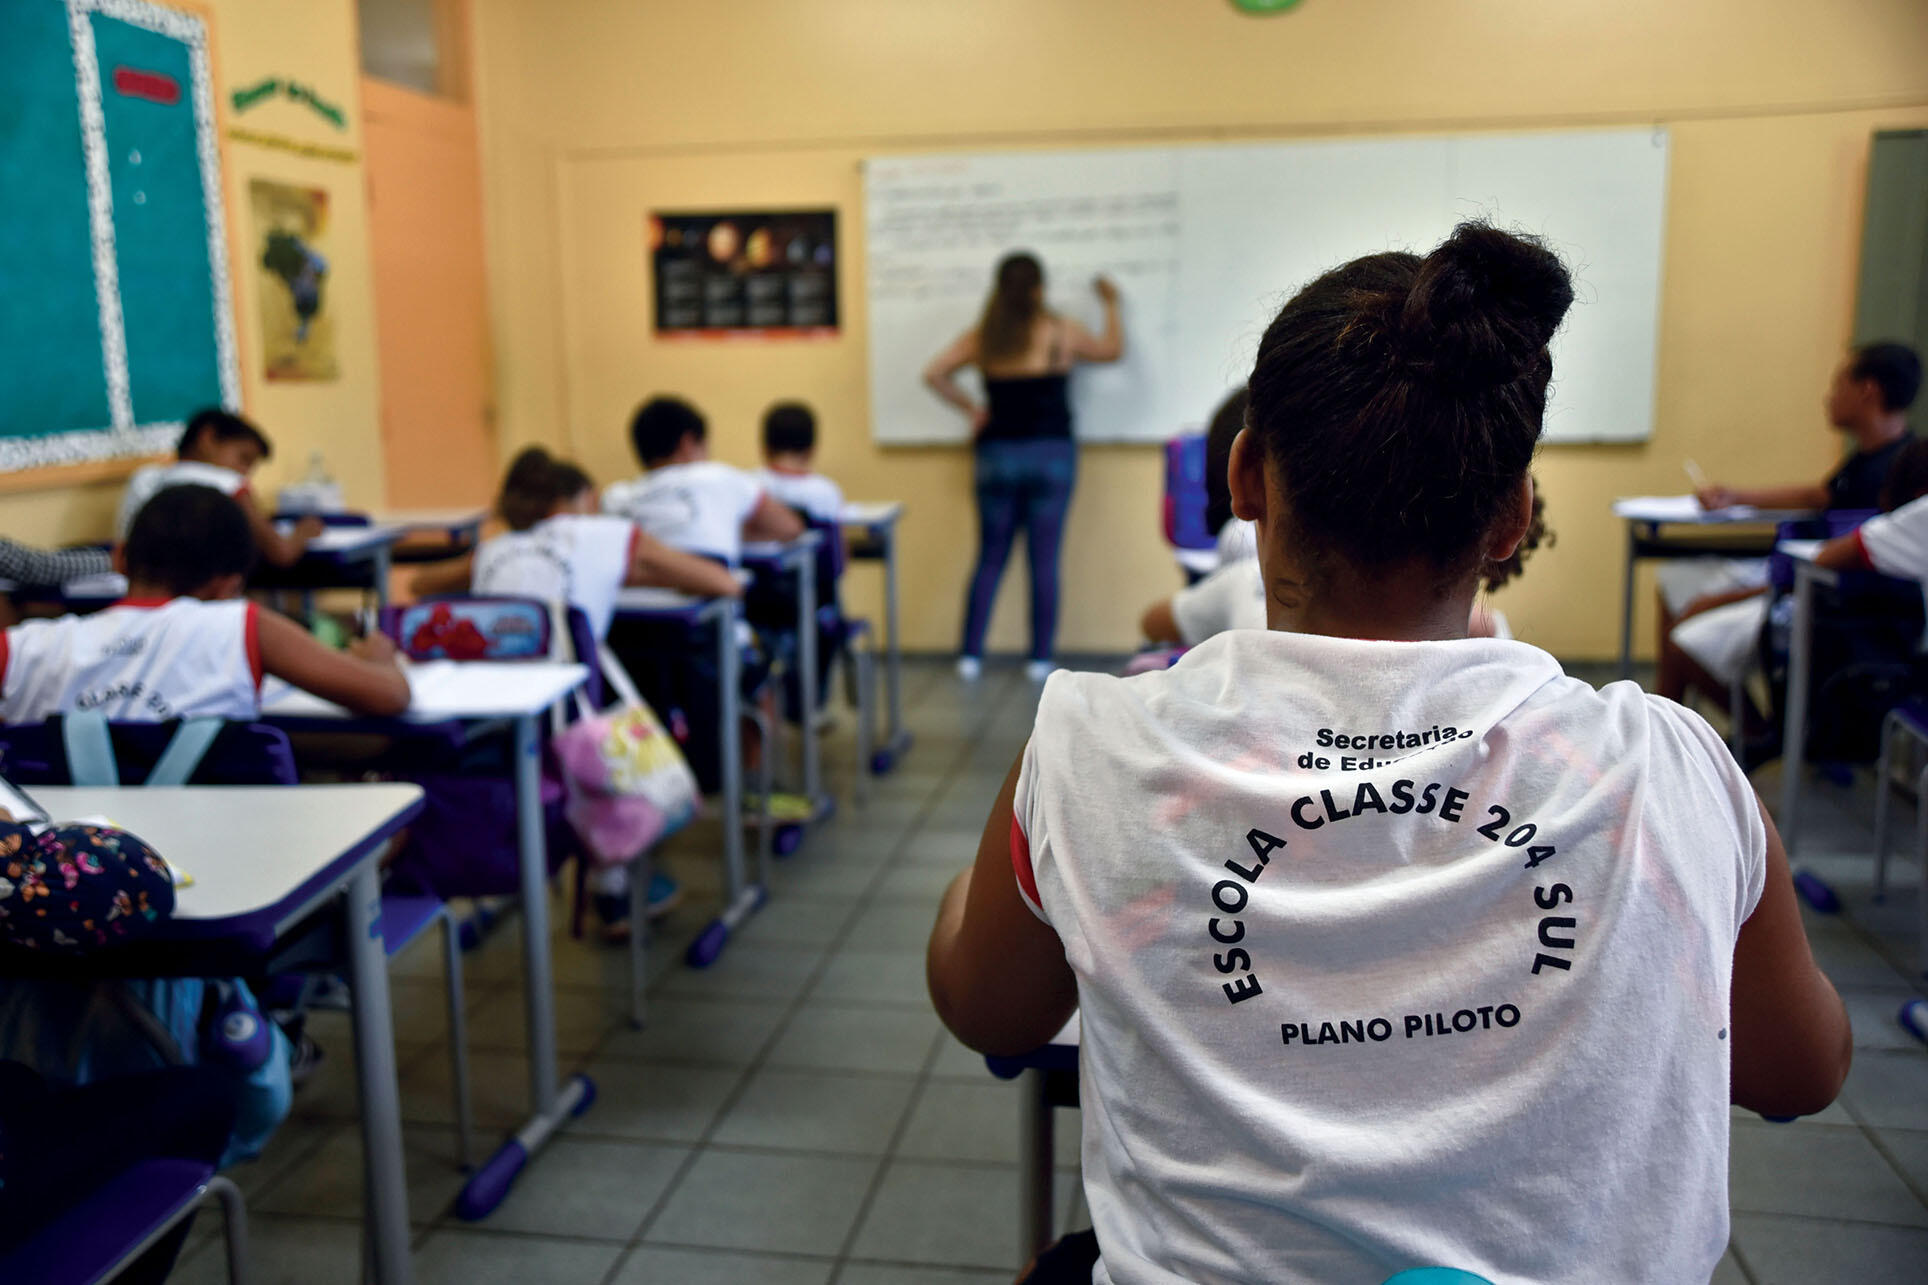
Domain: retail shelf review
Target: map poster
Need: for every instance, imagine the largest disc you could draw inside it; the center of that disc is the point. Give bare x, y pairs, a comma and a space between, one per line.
764, 273
291, 261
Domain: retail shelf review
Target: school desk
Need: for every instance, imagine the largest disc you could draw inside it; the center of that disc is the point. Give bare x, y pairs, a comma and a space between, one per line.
481, 695
798, 558
1646, 515
745, 897
265, 860
85, 595
1049, 1078
341, 557
877, 520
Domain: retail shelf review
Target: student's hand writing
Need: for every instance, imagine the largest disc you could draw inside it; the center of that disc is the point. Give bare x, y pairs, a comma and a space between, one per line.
1106, 288
1716, 497
306, 529
374, 648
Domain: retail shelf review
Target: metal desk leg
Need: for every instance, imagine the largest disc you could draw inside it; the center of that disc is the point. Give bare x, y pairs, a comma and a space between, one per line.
383, 565
745, 898
1794, 729
897, 738
549, 1104
386, 1181
807, 685
1034, 1192
1626, 605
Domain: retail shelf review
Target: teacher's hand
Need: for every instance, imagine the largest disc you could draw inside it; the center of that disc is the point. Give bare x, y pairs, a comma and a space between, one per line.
980, 416
1107, 290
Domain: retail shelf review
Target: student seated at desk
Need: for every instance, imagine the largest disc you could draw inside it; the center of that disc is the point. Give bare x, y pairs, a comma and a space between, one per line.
688, 500
184, 643
789, 459
219, 449
1392, 948
1868, 400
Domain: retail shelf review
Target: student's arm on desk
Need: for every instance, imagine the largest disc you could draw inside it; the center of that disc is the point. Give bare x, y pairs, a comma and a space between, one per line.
278, 549
453, 576
772, 520
997, 973
653, 563
1844, 553
1790, 1040
1789, 498
363, 679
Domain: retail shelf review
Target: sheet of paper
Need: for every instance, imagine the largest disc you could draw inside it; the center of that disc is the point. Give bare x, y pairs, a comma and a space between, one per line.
1678, 508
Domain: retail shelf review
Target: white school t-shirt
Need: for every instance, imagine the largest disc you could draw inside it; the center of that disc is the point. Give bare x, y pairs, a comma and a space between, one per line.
154, 478
580, 559
1232, 597
1484, 1028
699, 507
136, 662
1896, 544
812, 494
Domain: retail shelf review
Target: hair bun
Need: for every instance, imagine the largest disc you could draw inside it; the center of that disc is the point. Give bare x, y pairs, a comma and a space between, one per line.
1482, 308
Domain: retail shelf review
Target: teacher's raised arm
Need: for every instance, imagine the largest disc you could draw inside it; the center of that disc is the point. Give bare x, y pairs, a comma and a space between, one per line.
1024, 455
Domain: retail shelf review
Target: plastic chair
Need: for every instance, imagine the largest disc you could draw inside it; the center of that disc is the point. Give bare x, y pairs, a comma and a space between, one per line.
108, 1229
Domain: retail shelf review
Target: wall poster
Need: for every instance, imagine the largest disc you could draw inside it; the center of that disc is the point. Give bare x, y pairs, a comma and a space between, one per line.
759, 273
290, 240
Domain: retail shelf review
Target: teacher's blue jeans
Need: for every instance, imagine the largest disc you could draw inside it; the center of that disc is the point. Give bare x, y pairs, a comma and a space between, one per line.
1020, 484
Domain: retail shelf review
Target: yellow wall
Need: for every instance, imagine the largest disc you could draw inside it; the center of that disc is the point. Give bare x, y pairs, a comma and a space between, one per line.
592, 112
312, 41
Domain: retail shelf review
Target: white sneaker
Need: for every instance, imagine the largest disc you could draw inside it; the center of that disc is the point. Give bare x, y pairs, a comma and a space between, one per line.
1038, 670
969, 667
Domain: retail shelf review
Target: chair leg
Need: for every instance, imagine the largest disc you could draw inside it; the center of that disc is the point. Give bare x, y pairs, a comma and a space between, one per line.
863, 673
234, 1227
1884, 788
639, 877
766, 786
458, 1042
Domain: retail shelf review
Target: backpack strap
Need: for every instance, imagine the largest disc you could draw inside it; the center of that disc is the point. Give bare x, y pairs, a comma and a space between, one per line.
185, 750
90, 751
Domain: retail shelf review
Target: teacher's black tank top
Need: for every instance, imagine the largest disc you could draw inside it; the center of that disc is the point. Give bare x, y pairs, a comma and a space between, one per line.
1027, 407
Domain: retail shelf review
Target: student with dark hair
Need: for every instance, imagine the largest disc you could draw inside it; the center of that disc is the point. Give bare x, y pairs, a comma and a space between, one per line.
1023, 452
184, 643
219, 449
1388, 943
789, 463
1235, 539
1712, 610
688, 500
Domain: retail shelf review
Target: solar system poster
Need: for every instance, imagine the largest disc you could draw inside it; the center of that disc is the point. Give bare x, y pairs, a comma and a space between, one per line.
764, 274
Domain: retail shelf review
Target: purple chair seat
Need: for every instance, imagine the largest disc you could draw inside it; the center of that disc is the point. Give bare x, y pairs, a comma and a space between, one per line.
112, 1224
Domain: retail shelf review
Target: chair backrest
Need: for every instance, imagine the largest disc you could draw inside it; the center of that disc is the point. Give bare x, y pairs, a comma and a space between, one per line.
459, 628
242, 754
1185, 496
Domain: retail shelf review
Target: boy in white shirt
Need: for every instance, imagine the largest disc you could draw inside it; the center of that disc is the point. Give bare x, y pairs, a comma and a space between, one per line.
688, 500
184, 643
789, 453
1359, 915
219, 449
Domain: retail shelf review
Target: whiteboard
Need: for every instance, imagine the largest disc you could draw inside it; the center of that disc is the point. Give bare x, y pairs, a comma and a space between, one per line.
1206, 243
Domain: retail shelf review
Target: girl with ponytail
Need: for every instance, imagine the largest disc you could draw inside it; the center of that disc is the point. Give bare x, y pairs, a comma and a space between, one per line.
1391, 947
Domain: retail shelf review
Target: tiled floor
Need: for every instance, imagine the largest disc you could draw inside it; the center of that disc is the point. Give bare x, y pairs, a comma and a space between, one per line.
795, 1115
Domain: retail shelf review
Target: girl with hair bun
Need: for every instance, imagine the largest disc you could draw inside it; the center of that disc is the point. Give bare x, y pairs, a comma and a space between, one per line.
1392, 947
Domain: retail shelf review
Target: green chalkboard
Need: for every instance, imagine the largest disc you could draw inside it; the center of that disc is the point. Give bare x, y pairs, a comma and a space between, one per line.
115, 319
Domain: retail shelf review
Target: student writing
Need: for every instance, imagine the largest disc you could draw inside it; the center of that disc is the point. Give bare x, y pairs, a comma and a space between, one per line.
789, 463
221, 450
1393, 948
688, 500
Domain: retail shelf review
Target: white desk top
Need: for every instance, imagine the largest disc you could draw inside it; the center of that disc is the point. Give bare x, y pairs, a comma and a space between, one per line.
778, 550
1686, 509
418, 521
1800, 550
340, 540
449, 689
871, 513
246, 847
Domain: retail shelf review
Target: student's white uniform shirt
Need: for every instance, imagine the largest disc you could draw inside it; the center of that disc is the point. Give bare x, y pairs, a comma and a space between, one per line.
812, 494
1547, 1098
1237, 541
580, 559
1232, 597
699, 507
1896, 544
152, 480
136, 663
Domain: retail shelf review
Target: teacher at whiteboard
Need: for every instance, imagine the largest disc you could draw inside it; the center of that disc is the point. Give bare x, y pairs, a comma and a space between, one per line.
1026, 460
